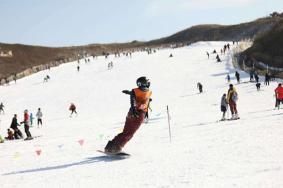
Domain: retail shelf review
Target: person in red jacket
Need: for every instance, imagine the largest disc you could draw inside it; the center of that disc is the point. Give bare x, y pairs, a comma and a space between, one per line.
139, 98
279, 95
26, 123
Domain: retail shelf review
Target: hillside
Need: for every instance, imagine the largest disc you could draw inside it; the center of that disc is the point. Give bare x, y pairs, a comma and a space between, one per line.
25, 57
267, 48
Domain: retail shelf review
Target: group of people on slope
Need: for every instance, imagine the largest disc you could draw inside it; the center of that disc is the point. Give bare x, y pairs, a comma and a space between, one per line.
15, 133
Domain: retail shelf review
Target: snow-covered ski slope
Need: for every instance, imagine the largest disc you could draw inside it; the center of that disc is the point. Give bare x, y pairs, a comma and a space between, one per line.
203, 153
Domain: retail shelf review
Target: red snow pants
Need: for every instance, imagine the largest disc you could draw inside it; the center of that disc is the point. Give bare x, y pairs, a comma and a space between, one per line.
233, 107
132, 124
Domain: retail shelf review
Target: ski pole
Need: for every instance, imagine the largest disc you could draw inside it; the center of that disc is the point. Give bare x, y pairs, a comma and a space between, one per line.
168, 116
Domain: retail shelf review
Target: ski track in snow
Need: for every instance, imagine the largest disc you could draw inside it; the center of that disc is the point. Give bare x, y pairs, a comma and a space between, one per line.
203, 153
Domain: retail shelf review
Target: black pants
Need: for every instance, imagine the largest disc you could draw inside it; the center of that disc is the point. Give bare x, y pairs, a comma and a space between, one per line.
17, 133
39, 121
27, 131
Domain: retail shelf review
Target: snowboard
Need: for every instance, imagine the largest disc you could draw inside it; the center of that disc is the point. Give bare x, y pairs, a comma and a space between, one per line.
120, 154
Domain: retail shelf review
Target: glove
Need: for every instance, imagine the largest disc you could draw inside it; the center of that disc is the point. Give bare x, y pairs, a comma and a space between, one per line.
135, 113
126, 92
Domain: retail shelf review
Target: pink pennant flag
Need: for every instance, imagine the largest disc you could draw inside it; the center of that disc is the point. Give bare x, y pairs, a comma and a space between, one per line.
38, 152
81, 142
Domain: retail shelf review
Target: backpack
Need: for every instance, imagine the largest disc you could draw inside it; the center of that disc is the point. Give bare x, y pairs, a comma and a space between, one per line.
235, 96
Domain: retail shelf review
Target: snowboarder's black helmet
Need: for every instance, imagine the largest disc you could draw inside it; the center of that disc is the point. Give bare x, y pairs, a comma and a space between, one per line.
143, 82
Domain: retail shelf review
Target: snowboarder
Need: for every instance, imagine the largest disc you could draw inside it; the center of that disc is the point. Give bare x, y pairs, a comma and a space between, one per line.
14, 125
223, 106
279, 95
199, 86
72, 108
257, 86
232, 98
1, 108
26, 122
139, 98
10, 135
39, 117
237, 75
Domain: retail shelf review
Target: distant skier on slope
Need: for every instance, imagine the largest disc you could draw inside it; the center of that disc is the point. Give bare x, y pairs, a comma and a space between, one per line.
73, 108
199, 86
39, 117
237, 75
228, 78
1, 108
139, 98
232, 98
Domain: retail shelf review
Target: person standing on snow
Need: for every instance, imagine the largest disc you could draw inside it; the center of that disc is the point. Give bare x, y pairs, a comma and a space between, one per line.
14, 125
279, 95
1, 108
228, 78
26, 123
237, 75
199, 86
232, 98
223, 106
139, 98
39, 117
73, 109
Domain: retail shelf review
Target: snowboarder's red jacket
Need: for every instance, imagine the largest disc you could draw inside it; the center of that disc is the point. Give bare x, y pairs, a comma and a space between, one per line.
279, 93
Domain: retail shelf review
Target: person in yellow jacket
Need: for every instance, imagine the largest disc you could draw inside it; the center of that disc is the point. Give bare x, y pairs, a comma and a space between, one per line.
139, 98
232, 97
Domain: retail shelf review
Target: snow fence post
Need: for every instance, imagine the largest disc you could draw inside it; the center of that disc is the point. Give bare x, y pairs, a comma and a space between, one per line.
168, 117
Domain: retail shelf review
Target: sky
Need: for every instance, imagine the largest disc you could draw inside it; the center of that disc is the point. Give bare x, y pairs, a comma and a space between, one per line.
80, 22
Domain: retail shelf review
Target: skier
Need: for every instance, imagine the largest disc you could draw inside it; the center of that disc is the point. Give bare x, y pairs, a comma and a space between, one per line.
139, 98
257, 86
218, 58
228, 78
251, 76
223, 106
279, 95
72, 108
256, 78
232, 98
31, 119
267, 79
26, 124
1, 108
207, 55
199, 86
78, 68
10, 135
237, 75
39, 117
14, 125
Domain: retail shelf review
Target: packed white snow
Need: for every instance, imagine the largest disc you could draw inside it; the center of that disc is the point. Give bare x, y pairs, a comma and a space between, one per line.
203, 152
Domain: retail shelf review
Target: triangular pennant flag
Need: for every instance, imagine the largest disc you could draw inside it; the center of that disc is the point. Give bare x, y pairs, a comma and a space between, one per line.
81, 142
38, 152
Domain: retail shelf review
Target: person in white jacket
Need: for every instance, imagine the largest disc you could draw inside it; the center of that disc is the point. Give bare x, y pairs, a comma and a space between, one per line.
39, 117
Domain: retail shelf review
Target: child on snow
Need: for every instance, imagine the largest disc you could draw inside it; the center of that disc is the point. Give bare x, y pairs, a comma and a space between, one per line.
224, 106
139, 98
10, 135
